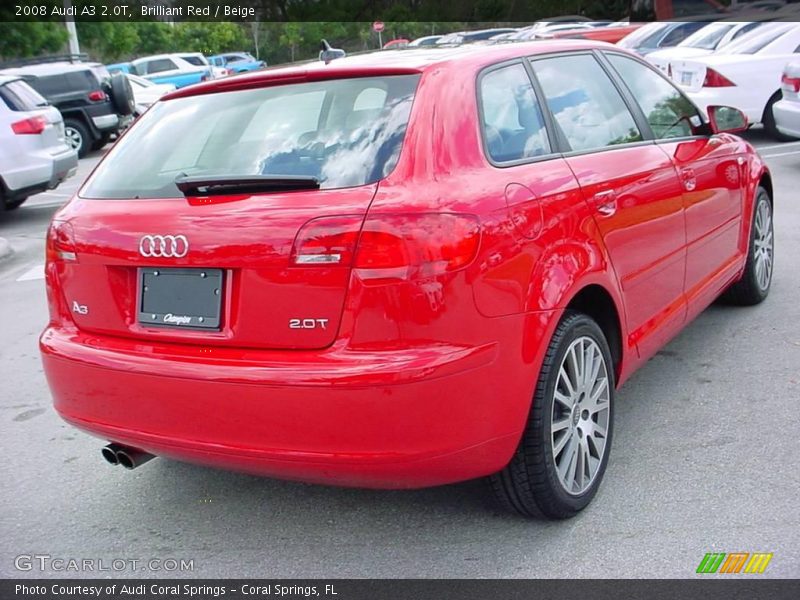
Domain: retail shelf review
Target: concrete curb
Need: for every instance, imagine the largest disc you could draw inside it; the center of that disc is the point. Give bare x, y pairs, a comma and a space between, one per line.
5, 248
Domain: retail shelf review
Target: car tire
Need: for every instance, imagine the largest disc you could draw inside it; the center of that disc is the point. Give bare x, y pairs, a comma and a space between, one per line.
563, 427
14, 204
769, 121
104, 139
754, 285
121, 94
77, 136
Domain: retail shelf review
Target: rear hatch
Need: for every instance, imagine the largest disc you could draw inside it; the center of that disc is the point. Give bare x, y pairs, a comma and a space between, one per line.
43, 120
230, 219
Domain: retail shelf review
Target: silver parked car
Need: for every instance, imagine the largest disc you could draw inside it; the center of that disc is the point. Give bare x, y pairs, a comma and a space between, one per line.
786, 111
34, 155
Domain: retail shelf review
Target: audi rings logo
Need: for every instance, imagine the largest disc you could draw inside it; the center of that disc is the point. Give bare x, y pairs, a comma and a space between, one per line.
163, 246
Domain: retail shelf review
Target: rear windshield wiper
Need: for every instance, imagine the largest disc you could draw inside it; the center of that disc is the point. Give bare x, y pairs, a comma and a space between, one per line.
214, 185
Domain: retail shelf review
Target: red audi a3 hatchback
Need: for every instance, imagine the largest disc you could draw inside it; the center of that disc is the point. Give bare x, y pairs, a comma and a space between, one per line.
398, 271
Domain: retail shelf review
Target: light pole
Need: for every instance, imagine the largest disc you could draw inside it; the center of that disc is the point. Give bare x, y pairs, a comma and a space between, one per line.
74, 46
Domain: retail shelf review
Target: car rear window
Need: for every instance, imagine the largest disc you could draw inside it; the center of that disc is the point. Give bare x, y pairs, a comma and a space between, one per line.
19, 96
344, 132
756, 42
65, 83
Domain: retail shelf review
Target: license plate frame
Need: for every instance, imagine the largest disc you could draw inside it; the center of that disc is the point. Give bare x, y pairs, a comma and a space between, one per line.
180, 298
686, 78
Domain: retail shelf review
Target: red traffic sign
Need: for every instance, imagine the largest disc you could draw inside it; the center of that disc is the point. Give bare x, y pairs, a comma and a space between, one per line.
377, 26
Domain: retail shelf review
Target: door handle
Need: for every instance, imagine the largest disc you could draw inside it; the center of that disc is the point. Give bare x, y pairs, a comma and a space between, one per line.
606, 202
689, 179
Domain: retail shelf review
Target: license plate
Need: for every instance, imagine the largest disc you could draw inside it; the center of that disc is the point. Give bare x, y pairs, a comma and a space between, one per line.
686, 78
180, 298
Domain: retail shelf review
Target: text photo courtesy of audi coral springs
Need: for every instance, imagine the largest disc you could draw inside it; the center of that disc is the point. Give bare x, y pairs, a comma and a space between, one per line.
312, 273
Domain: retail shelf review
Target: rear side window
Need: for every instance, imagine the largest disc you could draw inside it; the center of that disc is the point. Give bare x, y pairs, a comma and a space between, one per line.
587, 107
19, 96
194, 60
513, 127
82, 80
305, 129
669, 113
50, 85
157, 66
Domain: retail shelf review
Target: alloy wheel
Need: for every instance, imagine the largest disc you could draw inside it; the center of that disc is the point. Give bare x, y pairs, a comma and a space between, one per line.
580, 417
763, 245
73, 138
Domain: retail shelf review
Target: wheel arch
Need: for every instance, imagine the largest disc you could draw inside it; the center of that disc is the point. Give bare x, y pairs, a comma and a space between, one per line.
596, 301
765, 181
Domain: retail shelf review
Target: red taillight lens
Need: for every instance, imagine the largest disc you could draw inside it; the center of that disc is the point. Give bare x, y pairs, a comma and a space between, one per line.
61, 242
396, 247
390, 247
715, 79
327, 241
790, 82
30, 126
97, 96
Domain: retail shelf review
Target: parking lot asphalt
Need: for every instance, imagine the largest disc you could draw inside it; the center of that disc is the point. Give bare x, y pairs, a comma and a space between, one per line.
703, 461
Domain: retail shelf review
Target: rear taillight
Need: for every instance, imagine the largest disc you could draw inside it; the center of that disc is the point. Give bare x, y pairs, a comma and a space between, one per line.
229, 71
61, 242
715, 79
792, 83
327, 241
390, 248
30, 126
98, 96
397, 247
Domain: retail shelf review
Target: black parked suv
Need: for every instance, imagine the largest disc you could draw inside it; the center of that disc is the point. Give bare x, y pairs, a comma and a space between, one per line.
95, 105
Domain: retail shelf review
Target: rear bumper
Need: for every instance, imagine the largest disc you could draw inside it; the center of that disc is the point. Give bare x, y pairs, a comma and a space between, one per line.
395, 419
40, 171
787, 117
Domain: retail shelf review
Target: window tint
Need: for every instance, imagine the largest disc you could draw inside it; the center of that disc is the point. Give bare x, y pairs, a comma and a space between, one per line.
745, 29
765, 35
293, 129
50, 85
669, 113
81, 80
194, 60
587, 107
19, 96
681, 32
158, 66
645, 37
513, 127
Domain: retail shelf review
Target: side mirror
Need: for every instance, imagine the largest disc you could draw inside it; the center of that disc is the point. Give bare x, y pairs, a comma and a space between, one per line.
726, 119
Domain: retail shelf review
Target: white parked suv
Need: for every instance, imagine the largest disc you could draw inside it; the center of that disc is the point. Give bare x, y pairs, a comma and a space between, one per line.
787, 109
34, 155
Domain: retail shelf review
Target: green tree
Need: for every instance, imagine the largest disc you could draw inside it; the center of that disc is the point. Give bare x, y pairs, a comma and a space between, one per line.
155, 37
209, 37
108, 41
23, 39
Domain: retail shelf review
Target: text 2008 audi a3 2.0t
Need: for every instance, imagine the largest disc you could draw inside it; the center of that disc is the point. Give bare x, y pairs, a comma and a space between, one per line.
401, 269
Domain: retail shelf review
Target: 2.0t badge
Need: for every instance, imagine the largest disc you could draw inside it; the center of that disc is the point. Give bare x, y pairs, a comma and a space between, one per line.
163, 246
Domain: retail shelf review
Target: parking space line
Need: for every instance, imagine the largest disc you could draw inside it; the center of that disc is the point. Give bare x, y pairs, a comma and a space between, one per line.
36, 272
775, 146
780, 154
